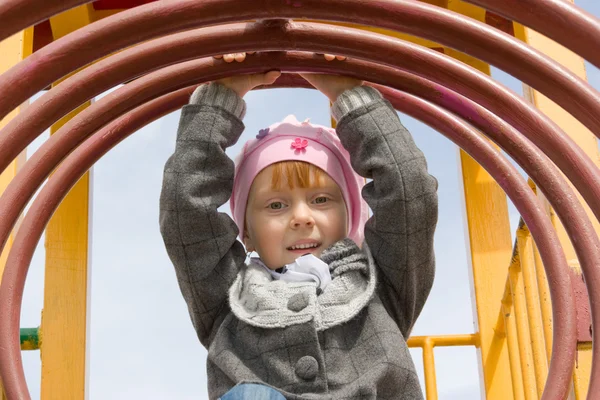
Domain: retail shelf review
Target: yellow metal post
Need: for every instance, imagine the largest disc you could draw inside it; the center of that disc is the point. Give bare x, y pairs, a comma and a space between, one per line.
544, 298
513, 346
545, 301
583, 369
587, 141
429, 365
490, 249
13, 50
66, 296
523, 338
543, 288
534, 314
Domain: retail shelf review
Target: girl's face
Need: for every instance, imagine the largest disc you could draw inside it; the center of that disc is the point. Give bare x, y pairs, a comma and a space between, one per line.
285, 223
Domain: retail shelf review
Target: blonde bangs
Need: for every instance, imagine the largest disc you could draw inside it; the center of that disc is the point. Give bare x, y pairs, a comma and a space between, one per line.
296, 173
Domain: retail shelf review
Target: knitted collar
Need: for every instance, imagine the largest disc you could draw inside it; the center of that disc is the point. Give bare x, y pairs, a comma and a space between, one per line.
344, 256
258, 300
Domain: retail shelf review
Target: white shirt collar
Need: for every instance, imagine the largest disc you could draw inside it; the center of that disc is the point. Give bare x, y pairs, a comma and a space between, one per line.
306, 268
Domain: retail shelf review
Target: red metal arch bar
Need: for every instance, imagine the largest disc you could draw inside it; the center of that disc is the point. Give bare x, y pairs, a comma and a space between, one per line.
434, 66
160, 18
178, 46
16, 15
566, 363
49, 198
561, 21
419, 64
123, 67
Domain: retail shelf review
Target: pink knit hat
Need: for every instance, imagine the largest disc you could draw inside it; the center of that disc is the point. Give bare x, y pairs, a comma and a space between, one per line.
291, 140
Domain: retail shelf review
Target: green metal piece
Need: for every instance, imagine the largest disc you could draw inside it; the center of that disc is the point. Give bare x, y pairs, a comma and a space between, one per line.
30, 339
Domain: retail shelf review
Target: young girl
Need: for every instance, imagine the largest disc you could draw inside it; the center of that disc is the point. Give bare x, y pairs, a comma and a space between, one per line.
325, 310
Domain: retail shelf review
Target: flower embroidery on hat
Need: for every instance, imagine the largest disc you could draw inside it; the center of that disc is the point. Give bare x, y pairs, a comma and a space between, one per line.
299, 144
262, 133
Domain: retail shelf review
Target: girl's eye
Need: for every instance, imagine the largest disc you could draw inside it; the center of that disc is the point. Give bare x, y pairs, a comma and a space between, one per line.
321, 200
276, 205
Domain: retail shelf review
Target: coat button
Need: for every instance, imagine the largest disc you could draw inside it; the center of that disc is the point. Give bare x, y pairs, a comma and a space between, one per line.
307, 368
298, 302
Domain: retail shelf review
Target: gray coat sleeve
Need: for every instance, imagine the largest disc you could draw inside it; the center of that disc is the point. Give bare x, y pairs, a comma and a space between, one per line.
198, 179
402, 196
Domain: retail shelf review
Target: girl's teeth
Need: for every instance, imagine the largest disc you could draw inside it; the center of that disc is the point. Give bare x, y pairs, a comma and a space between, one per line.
303, 246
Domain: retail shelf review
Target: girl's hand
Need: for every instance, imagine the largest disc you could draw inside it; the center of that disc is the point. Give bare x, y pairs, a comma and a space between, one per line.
331, 85
242, 84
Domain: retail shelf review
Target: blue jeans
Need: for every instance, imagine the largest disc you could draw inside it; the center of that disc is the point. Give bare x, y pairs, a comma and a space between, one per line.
253, 391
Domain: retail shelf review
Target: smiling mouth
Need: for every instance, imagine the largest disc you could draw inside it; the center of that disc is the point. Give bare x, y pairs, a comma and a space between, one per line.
306, 246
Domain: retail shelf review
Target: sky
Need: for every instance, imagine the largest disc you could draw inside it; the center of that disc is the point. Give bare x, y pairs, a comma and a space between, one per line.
142, 343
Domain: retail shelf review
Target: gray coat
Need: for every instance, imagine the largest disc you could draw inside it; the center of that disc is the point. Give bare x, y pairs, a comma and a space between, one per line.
348, 342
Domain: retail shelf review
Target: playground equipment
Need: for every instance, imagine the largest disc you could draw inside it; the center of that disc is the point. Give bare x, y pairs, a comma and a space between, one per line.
437, 74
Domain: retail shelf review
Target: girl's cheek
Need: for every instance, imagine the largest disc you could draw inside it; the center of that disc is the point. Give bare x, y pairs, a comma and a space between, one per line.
273, 221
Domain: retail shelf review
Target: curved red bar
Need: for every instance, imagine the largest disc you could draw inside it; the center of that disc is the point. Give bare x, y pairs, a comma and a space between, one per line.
560, 298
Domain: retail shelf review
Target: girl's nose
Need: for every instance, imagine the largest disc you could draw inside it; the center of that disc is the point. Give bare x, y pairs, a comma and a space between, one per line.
302, 217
